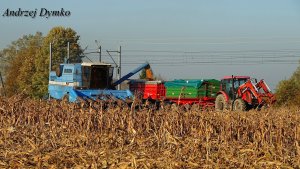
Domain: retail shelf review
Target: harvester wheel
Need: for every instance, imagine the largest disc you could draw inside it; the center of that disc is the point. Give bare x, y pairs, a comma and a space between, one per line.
239, 105
65, 98
220, 103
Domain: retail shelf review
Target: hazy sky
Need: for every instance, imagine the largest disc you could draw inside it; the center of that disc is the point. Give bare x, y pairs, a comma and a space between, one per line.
181, 39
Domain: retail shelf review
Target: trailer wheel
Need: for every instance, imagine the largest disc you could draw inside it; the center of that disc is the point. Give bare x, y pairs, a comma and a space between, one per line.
220, 103
195, 107
174, 107
239, 105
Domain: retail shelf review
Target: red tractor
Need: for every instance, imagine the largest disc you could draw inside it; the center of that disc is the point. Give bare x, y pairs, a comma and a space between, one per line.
240, 93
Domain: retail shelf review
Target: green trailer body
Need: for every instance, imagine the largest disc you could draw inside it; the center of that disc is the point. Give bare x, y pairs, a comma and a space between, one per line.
192, 88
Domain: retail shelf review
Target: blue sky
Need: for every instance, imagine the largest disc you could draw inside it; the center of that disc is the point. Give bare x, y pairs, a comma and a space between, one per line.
180, 39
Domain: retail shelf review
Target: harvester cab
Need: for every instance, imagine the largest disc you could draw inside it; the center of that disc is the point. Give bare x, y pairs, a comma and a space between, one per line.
83, 75
242, 93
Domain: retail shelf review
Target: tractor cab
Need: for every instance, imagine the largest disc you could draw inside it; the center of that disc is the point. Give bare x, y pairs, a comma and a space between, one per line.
230, 84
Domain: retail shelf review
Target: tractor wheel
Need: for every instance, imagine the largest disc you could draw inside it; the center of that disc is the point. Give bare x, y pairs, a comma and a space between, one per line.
220, 103
262, 107
239, 105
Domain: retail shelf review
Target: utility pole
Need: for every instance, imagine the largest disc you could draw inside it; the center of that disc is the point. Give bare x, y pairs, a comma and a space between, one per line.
68, 52
50, 65
119, 86
99, 50
50, 59
2, 84
118, 65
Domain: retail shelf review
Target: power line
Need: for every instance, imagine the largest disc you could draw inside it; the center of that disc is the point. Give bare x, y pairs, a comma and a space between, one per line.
215, 62
228, 60
210, 51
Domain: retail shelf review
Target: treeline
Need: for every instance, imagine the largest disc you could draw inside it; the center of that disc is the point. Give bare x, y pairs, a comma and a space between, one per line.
25, 62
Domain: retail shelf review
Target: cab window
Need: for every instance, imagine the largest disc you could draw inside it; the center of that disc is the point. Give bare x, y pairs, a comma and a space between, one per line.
67, 70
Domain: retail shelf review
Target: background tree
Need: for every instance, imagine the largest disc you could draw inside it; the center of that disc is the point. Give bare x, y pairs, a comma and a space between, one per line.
18, 63
288, 91
26, 60
59, 37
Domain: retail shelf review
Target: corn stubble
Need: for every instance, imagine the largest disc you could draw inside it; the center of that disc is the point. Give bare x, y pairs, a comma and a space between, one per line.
57, 134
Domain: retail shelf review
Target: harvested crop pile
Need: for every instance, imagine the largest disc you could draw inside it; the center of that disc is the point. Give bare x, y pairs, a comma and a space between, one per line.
57, 134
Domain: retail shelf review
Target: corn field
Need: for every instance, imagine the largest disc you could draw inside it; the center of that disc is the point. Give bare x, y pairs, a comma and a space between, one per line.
57, 134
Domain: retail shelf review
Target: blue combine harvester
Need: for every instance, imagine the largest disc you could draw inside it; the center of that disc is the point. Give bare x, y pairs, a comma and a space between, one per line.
88, 81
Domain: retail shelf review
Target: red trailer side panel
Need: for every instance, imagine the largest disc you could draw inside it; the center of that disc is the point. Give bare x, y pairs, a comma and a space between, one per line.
148, 89
154, 91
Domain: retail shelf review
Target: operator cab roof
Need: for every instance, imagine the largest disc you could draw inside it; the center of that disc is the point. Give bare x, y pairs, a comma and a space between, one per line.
95, 64
236, 77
